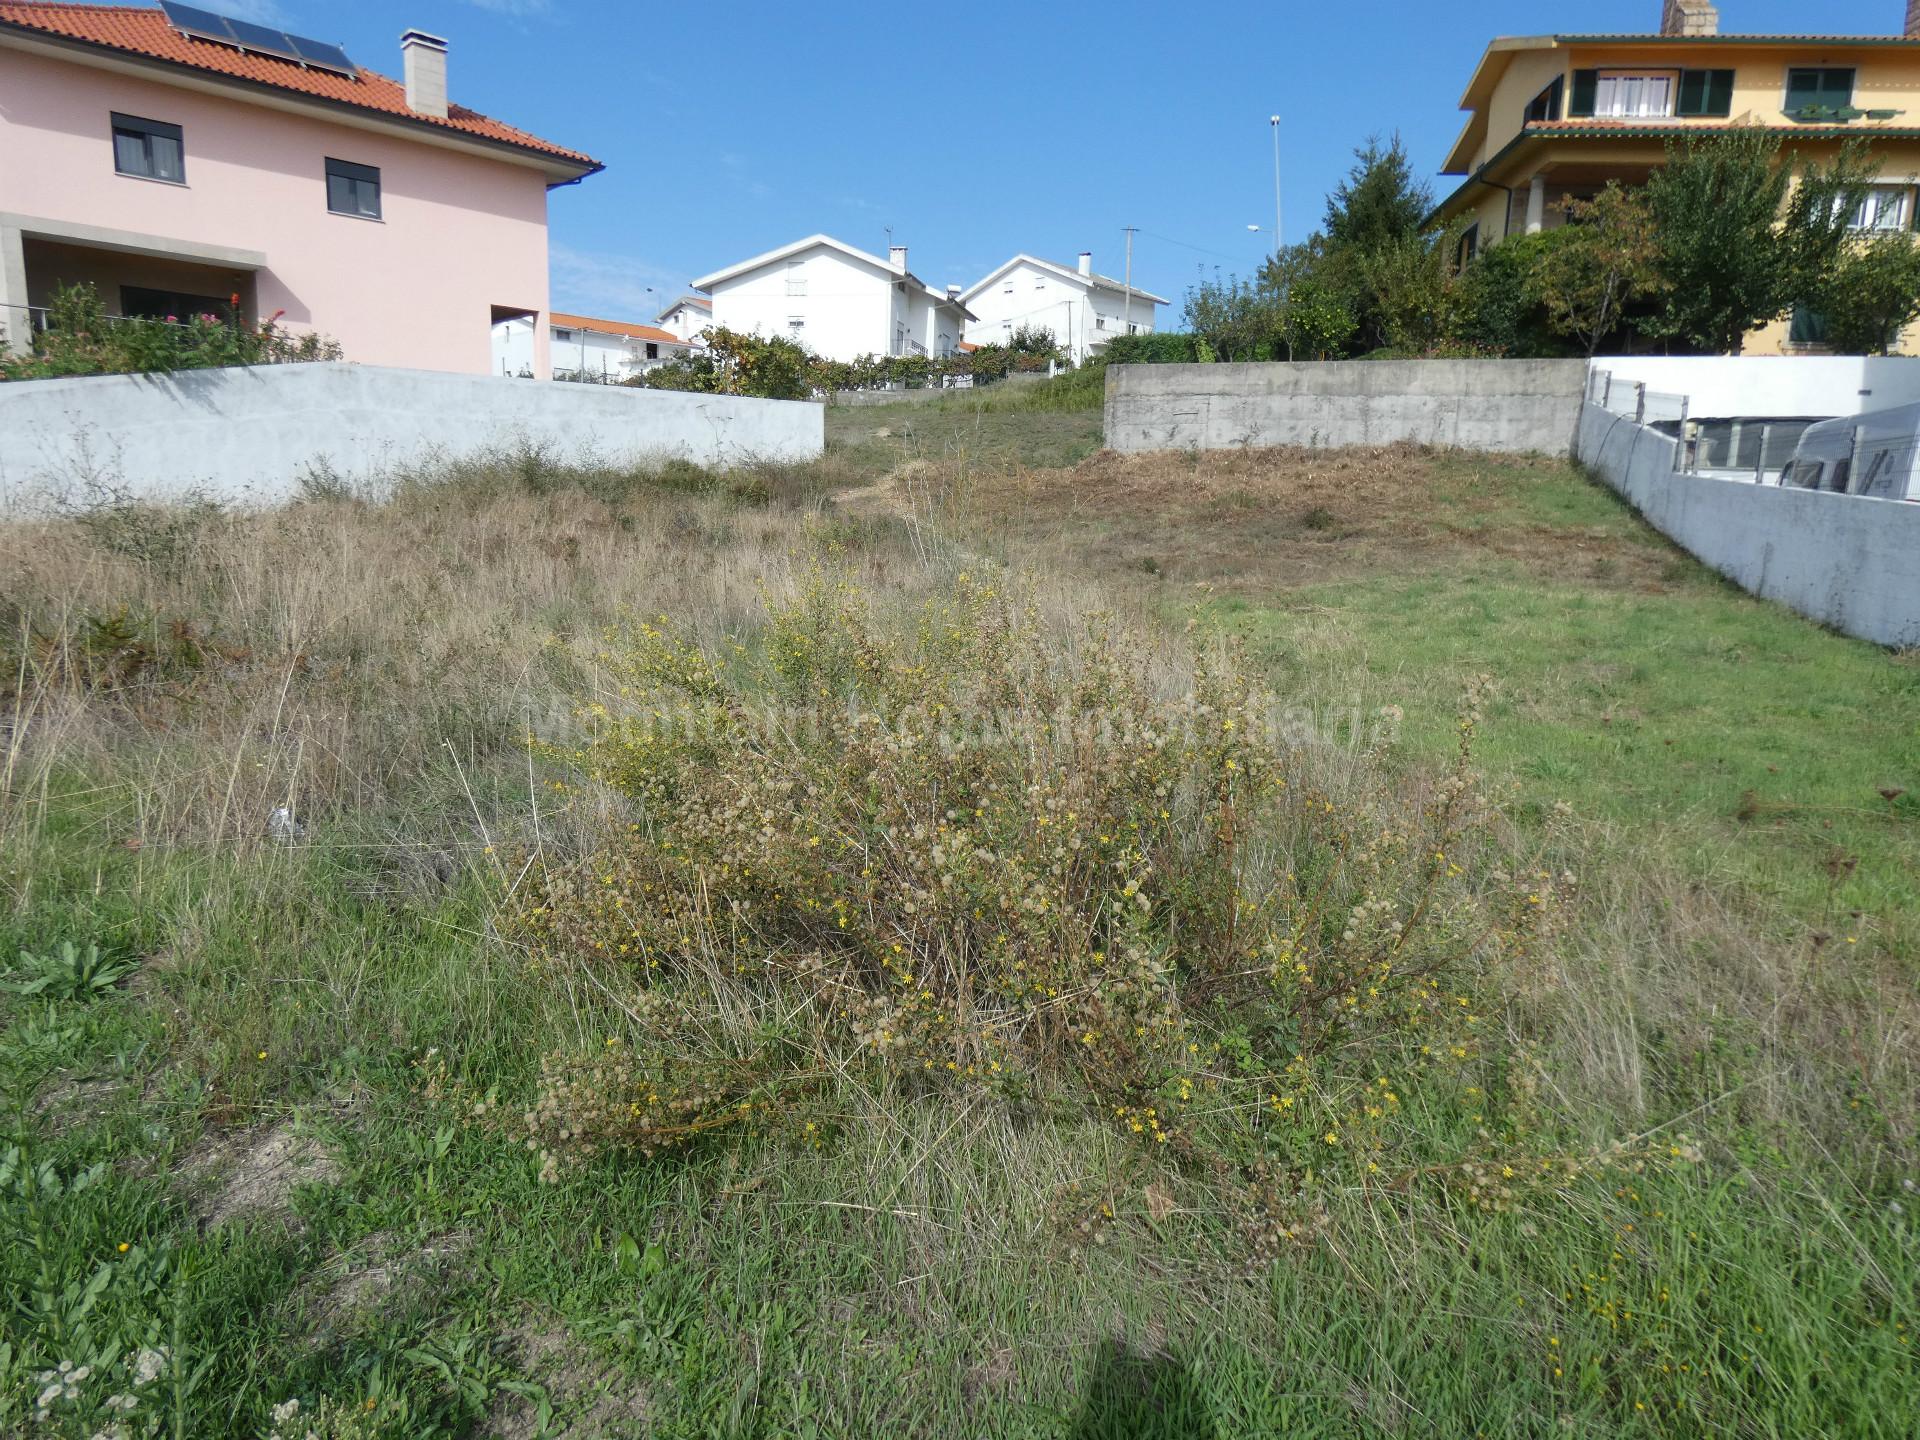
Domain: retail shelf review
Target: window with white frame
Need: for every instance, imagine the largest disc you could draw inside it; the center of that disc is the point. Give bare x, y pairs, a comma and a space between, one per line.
1625, 95
1885, 208
796, 278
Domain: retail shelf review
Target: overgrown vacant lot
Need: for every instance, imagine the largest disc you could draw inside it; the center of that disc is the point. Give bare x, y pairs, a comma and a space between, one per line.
975, 937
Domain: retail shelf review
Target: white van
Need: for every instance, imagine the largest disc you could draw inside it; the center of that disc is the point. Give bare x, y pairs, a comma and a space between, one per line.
1876, 454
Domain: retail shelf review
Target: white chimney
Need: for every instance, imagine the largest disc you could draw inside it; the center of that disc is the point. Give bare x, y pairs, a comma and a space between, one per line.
1086, 262
1689, 17
897, 258
426, 61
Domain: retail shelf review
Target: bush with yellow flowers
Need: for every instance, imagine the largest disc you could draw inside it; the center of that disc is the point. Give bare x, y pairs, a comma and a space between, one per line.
963, 847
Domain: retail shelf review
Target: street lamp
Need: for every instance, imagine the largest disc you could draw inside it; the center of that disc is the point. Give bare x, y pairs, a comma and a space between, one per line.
1273, 122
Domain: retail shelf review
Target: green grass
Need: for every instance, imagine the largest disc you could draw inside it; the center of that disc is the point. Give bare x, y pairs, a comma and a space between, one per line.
933, 1268
1698, 722
765, 1289
1046, 425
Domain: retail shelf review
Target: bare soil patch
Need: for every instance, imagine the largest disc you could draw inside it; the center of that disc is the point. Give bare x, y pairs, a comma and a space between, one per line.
585, 1398
252, 1174
1256, 521
378, 1270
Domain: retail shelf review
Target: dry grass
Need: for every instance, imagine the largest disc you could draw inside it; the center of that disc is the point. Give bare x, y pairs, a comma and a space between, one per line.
1257, 522
944, 1258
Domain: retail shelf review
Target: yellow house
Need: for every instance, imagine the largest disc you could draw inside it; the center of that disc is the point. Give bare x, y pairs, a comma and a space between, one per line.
1553, 117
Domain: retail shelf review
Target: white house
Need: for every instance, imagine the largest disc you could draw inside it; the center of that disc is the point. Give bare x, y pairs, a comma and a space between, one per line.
584, 348
687, 316
1082, 309
837, 301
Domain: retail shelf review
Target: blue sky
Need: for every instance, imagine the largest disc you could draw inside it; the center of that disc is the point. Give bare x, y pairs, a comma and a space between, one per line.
974, 131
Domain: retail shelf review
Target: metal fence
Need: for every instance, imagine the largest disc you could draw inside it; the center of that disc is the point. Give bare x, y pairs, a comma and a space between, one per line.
1760, 448
34, 316
1757, 448
1634, 401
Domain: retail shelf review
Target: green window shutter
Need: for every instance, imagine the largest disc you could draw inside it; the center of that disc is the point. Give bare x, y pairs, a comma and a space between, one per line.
1808, 327
1719, 92
1586, 87
1706, 92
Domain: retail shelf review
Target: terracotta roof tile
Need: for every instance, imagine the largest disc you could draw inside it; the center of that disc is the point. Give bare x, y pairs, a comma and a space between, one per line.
625, 329
138, 30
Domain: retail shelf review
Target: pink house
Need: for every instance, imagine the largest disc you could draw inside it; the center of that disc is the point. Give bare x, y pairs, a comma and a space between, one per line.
183, 162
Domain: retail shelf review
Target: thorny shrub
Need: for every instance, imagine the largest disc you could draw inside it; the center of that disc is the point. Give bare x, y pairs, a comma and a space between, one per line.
966, 850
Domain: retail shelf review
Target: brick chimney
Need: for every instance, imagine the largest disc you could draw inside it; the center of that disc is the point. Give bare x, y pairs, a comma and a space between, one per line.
1913, 19
1086, 256
1690, 17
426, 65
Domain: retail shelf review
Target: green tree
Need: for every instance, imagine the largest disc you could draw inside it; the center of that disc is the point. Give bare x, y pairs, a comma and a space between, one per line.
1234, 319
1380, 202
1414, 290
1741, 241
1870, 294
1594, 266
1498, 311
1373, 228
739, 364
1316, 321
1312, 309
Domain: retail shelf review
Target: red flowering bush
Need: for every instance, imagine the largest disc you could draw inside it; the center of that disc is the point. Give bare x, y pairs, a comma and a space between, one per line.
82, 339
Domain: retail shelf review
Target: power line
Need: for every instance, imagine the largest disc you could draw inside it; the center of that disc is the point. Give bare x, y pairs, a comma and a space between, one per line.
1184, 245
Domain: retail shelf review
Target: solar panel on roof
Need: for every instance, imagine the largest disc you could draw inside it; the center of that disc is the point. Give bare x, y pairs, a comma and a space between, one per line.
319, 52
258, 39
261, 40
197, 22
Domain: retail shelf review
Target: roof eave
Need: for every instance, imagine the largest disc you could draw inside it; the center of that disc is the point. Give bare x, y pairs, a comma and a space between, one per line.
1865, 41
567, 169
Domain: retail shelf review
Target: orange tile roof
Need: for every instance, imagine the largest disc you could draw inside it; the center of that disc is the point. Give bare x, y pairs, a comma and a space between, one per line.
137, 30
616, 327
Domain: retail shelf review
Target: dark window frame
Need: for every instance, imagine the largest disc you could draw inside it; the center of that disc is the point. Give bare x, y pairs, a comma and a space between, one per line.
144, 132
354, 176
1547, 105
1806, 326
1822, 94
1469, 246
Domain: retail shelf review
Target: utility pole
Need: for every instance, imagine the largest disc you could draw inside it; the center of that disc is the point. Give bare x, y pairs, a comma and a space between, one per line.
1274, 122
1126, 315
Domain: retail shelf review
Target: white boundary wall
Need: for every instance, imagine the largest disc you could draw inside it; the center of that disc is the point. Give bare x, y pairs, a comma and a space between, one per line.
1511, 406
248, 436
1844, 560
1726, 387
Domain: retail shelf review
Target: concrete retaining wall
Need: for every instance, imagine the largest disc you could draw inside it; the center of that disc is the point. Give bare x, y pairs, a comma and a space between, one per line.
1514, 406
249, 435
1844, 560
